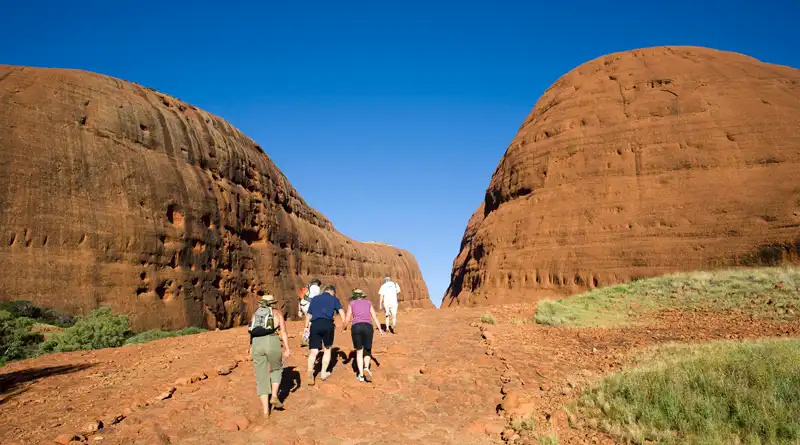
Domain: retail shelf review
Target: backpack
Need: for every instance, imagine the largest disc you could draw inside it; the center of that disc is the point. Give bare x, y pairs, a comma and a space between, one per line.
304, 293
263, 322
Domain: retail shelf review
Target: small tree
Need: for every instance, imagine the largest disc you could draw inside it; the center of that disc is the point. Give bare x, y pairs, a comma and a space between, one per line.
100, 329
16, 339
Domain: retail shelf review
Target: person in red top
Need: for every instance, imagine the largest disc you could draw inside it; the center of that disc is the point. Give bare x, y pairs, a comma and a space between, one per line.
362, 315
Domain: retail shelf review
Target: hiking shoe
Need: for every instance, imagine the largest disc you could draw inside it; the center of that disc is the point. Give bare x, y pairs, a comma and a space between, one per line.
360, 378
276, 403
325, 375
311, 378
367, 374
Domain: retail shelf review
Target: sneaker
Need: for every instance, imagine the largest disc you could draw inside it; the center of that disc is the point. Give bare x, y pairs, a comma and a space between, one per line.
276, 403
360, 378
311, 378
325, 375
367, 374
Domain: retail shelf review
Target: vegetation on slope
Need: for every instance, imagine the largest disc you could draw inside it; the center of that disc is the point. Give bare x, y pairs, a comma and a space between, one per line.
721, 392
28, 331
764, 292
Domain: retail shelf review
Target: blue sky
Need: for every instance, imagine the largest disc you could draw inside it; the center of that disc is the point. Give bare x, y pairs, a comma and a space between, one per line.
409, 104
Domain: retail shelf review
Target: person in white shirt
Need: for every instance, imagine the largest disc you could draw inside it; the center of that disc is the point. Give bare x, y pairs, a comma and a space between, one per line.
305, 302
388, 292
314, 290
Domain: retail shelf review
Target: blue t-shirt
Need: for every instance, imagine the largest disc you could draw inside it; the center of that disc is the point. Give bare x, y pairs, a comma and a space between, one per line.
324, 306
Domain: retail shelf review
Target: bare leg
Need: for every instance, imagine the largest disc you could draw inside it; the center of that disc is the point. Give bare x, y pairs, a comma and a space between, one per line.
265, 403
360, 361
312, 359
366, 361
326, 360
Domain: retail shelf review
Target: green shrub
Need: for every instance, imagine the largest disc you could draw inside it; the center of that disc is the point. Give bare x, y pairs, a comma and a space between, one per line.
16, 339
156, 334
488, 319
25, 308
190, 331
717, 393
100, 329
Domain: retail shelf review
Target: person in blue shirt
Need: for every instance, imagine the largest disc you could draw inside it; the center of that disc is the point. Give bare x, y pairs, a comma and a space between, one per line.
320, 327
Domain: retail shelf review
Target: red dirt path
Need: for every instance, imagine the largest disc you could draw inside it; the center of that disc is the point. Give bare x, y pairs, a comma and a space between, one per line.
439, 381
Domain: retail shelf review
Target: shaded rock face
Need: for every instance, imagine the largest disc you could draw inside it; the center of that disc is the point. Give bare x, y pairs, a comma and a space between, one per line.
637, 164
116, 195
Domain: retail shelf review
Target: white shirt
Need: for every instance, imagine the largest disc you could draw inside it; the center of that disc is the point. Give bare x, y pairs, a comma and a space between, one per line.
313, 291
389, 291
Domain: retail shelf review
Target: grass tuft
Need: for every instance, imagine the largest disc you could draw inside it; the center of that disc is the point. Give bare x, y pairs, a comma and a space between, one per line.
488, 318
523, 424
764, 292
723, 392
548, 439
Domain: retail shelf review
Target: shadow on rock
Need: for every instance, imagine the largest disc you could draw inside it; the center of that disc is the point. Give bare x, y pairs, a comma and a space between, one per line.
9, 383
290, 382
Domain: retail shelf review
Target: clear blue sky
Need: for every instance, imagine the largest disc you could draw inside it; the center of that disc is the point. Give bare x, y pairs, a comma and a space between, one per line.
410, 104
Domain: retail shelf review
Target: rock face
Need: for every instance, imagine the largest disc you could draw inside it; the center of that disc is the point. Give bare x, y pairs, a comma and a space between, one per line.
637, 164
116, 195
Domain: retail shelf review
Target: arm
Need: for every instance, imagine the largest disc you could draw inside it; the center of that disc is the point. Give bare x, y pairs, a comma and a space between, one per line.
349, 315
250, 333
375, 319
284, 338
308, 321
380, 303
337, 306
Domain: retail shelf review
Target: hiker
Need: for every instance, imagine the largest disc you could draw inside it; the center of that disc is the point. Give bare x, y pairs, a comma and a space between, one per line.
388, 292
306, 295
362, 314
320, 327
267, 331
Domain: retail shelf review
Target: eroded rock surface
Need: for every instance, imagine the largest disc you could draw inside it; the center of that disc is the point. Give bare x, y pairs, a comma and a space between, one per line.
114, 194
637, 164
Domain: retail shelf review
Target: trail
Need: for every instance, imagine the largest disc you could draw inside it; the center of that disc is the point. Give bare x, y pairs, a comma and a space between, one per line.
441, 379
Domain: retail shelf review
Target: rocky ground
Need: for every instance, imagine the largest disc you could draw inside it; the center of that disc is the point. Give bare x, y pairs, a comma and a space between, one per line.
444, 378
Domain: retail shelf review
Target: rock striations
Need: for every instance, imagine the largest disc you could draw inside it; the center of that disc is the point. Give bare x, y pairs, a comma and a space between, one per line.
116, 195
636, 164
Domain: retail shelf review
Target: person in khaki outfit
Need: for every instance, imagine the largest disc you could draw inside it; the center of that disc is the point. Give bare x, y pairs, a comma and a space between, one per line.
267, 331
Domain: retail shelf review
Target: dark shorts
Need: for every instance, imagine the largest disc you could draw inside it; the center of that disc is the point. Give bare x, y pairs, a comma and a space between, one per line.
321, 333
362, 336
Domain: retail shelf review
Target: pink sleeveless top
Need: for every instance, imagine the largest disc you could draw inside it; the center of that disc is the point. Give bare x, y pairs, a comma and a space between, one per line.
361, 312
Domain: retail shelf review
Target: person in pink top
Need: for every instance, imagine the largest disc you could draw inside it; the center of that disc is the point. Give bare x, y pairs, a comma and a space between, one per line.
362, 314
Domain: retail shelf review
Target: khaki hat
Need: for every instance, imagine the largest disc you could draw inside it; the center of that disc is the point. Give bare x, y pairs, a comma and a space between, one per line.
268, 299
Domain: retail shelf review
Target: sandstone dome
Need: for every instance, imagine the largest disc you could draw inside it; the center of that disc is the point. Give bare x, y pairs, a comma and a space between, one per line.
636, 164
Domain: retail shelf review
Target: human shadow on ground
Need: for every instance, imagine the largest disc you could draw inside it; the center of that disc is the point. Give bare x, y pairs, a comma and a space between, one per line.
290, 382
10, 383
352, 360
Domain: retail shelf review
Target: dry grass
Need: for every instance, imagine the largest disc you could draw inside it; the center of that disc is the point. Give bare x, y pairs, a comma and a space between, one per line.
764, 292
488, 318
724, 392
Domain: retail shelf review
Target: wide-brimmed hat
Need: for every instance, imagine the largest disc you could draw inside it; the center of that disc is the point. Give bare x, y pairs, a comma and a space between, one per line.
267, 299
358, 293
